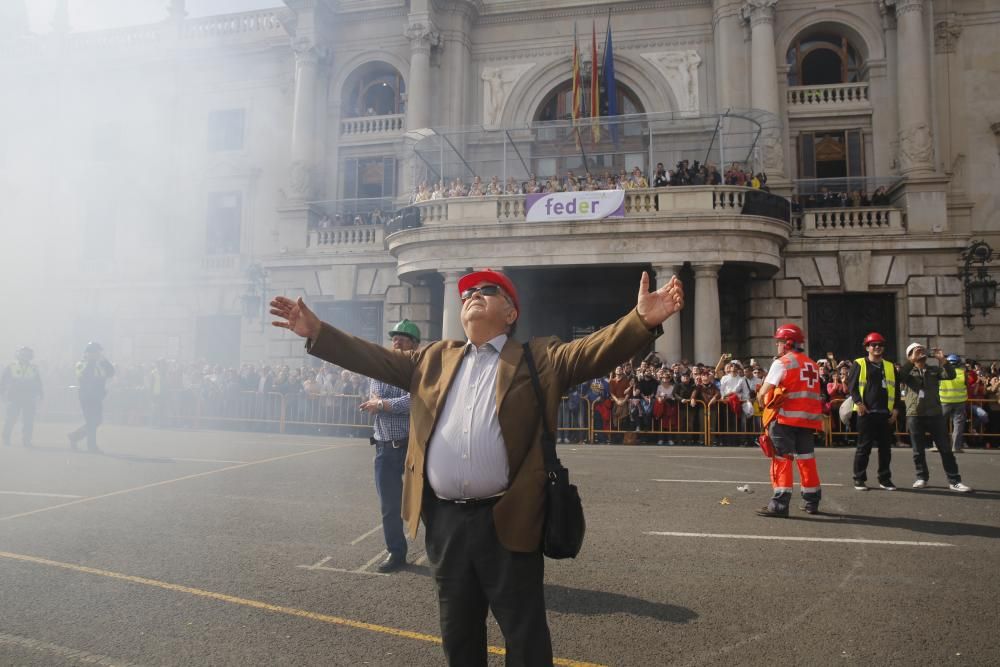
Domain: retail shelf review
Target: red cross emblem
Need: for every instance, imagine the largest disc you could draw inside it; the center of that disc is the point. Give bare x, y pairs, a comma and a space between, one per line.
810, 375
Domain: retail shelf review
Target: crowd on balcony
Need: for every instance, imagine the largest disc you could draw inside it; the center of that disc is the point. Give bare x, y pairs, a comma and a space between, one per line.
857, 198
359, 218
684, 173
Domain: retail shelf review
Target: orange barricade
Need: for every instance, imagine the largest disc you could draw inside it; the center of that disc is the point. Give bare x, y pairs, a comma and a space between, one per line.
982, 423
575, 420
680, 424
726, 427
327, 414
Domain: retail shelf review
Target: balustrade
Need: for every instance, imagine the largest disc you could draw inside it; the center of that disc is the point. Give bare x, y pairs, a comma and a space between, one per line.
835, 221
808, 99
232, 24
366, 236
368, 126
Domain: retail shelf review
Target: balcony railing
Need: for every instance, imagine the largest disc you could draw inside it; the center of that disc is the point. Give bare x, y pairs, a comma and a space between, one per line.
849, 221
652, 202
839, 97
225, 25
372, 127
364, 237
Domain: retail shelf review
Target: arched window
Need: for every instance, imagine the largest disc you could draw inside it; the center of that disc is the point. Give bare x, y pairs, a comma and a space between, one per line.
823, 58
558, 105
374, 89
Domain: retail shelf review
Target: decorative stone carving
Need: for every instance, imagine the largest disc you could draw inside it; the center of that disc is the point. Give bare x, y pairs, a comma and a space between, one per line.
422, 36
498, 82
904, 6
772, 151
680, 69
300, 180
946, 35
916, 146
758, 11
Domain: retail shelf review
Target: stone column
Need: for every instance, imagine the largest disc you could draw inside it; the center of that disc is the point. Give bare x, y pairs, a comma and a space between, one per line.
451, 311
764, 78
668, 346
916, 141
730, 55
422, 35
301, 177
707, 321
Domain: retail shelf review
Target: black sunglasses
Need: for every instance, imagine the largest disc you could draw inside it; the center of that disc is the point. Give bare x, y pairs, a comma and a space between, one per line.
876, 344
485, 290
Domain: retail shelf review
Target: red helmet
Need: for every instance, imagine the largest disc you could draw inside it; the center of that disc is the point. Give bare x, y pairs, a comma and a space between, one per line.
790, 332
874, 337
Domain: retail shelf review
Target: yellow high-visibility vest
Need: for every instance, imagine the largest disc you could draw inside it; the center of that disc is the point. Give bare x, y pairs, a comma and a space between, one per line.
890, 380
954, 391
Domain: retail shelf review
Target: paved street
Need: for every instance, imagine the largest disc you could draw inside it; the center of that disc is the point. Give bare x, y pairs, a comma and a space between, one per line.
221, 548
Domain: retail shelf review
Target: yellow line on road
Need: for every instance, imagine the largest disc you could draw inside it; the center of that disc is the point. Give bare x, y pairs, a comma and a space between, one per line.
263, 606
171, 481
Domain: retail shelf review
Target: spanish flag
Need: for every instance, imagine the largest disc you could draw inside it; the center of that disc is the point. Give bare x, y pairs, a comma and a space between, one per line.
577, 84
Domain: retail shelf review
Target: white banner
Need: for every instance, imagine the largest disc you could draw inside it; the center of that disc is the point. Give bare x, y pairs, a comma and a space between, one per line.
566, 206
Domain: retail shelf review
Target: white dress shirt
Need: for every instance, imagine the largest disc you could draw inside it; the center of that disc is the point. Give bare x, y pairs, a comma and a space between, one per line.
467, 457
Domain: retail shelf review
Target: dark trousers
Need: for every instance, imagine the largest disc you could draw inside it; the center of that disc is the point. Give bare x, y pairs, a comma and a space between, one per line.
475, 573
93, 414
389, 462
26, 411
937, 430
874, 430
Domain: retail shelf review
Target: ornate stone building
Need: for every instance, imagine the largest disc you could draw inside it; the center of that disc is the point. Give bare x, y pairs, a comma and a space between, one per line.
162, 180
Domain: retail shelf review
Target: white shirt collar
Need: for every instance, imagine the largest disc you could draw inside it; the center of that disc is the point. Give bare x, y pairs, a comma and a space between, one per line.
496, 343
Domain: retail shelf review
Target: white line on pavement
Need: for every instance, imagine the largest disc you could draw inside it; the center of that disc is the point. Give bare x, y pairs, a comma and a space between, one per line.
340, 569
370, 532
719, 481
785, 538
380, 555
205, 460
40, 495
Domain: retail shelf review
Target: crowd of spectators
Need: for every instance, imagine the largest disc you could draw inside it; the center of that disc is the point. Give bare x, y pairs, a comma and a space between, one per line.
827, 198
653, 402
375, 217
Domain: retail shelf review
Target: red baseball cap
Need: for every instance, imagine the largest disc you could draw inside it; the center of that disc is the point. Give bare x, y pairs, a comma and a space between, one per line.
493, 278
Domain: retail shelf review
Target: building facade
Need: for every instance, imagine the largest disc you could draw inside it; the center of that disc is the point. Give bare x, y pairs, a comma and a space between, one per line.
164, 180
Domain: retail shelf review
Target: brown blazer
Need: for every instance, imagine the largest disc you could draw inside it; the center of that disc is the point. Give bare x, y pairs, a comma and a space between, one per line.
428, 373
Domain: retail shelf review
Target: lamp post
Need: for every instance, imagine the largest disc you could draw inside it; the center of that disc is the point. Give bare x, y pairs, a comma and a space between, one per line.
980, 288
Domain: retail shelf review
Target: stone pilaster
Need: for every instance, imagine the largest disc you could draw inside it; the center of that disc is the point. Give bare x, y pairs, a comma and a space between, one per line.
707, 336
764, 80
422, 35
302, 171
916, 139
669, 345
451, 312
730, 55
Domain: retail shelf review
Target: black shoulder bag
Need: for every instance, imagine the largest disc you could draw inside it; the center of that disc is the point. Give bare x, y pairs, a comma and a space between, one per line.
564, 521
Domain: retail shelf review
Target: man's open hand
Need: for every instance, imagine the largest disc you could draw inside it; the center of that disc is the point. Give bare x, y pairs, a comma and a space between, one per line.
296, 316
655, 307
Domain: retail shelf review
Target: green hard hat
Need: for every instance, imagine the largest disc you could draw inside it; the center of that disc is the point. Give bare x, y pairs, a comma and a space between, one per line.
406, 328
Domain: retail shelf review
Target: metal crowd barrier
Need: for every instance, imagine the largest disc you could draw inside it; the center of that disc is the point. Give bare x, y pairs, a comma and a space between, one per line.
987, 434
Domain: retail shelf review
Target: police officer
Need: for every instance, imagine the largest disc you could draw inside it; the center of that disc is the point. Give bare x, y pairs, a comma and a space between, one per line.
21, 387
391, 407
92, 375
791, 390
954, 397
873, 386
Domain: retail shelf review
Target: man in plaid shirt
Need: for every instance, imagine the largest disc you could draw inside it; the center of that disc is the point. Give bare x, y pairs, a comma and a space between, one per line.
391, 407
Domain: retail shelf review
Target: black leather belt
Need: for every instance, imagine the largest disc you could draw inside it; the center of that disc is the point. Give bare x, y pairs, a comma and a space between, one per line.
396, 444
471, 502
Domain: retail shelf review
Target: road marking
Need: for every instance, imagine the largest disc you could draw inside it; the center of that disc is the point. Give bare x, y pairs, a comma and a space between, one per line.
695, 456
342, 570
206, 460
62, 651
39, 495
786, 538
370, 532
378, 556
172, 481
719, 481
263, 606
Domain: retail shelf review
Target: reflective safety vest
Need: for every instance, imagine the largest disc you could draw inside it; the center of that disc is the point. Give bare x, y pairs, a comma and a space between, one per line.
888, 370
954, 391
22, 372
803, 403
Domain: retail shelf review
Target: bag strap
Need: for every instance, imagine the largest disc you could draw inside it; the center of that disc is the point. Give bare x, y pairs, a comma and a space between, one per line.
548, 439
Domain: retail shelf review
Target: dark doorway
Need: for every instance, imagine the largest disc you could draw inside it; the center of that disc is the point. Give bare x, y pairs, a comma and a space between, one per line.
217, 340
839, 322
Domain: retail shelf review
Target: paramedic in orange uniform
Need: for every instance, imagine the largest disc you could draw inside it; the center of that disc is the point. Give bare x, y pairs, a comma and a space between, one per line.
792, 390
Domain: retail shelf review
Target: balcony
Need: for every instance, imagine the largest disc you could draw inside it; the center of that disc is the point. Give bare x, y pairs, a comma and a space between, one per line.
372, 128
662, 226
837, 99
846, 222
362, 238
